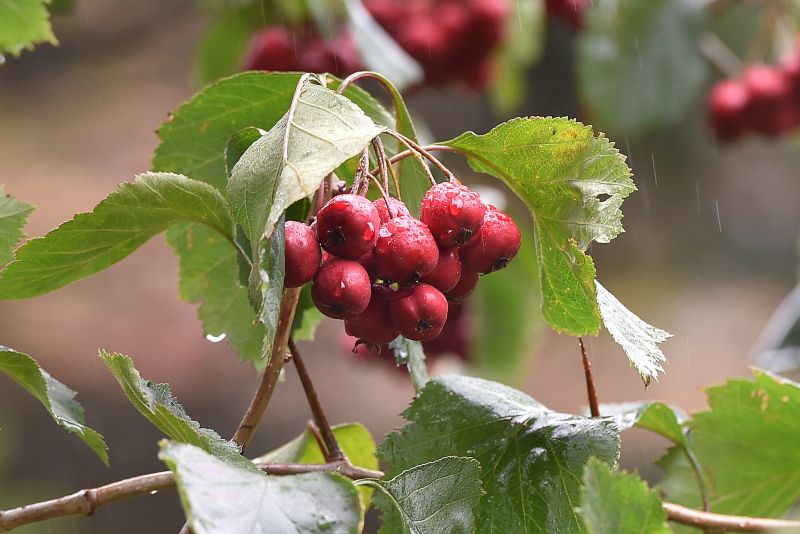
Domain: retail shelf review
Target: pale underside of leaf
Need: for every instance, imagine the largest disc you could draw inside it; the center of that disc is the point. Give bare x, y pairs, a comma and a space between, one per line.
639, 340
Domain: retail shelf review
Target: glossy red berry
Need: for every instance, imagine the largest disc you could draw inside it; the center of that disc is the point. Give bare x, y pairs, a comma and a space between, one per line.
347, 226
405, 250
495, 245
568, 11
419, 311
398, 209
769, 109
727, 102
454, 213
453, 337
465, 286
341, 289
488, 22
271, 49
374, 325
302, 254
447, 272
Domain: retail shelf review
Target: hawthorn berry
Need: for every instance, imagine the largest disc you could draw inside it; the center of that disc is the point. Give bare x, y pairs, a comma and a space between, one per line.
398, 208
419, 311
454, 213
447, 272
465, 286
374, 325
727, 102
495, 245
568, 11
341, 289
405, 250
347, 226
769, 109
271, 49
302, 256
453, 337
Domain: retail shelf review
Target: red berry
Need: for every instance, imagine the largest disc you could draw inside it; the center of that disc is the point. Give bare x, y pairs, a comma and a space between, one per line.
337, 56
465, 286
727, 102
397, 207
453, 337
454, 213
495, 245
374, 325
419, 311
569, 11
341, 289
271, 49
302, 254
769, 110
347, 226
421, 37
447, 272
488, 22
405, 250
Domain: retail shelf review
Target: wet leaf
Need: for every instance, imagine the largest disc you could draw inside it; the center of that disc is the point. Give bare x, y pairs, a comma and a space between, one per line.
13, 215
23, 24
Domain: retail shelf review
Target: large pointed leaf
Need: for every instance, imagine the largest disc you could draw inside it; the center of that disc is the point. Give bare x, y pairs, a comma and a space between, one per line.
629, 79
638, 339
434, 498
619, 503
656, 417
325, 130
532, 458
219, 498
23, 24
157, 404
559, 169
747, 445
55, 396
13, 215
120, 224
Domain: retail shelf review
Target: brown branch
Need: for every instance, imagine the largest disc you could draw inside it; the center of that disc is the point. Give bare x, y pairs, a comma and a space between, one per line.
244, 433
735, 523
594, 406
86, 501
331, 444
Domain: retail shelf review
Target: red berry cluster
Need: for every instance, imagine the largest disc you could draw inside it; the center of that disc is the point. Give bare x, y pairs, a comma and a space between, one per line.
453, 40
764, 100
569, 12
388, 274
276, 48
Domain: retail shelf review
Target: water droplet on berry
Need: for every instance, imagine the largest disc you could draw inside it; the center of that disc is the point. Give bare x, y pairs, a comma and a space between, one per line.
369, 231
339, 205
455, 207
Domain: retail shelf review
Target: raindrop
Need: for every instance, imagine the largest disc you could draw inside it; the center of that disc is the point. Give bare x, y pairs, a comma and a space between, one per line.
369, 231
153, 492
216, 339
719, 220
455, 207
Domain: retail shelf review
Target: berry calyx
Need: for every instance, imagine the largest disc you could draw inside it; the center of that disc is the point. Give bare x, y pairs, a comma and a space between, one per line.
454, 213
465, 286
396, 207
447, 272
495, 245
374, 325
302, 256
419, 311
405, 250
347, 226
727, 102
341, 289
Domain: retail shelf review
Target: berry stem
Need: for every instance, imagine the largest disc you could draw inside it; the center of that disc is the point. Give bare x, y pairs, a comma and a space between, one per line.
414, 146
719, 55
383, 166
594, 406
313, 429
361, 169
412, 151
331, 445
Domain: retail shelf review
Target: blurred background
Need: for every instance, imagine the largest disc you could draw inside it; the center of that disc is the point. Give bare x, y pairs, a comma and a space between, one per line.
708, 254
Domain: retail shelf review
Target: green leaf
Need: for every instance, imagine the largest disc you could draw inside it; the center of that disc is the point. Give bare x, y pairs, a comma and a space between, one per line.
55, 396
157, 404
746, 443
325, 130
13, 215
638, 339
559, 168
23, 24
222, 49
629, 79
120, 224
354, 439
306, 317
209, 276
656, 417
435, 498
619, 503
238, 144
501, 345
271, 284
219, 498
532, 458
412, 355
